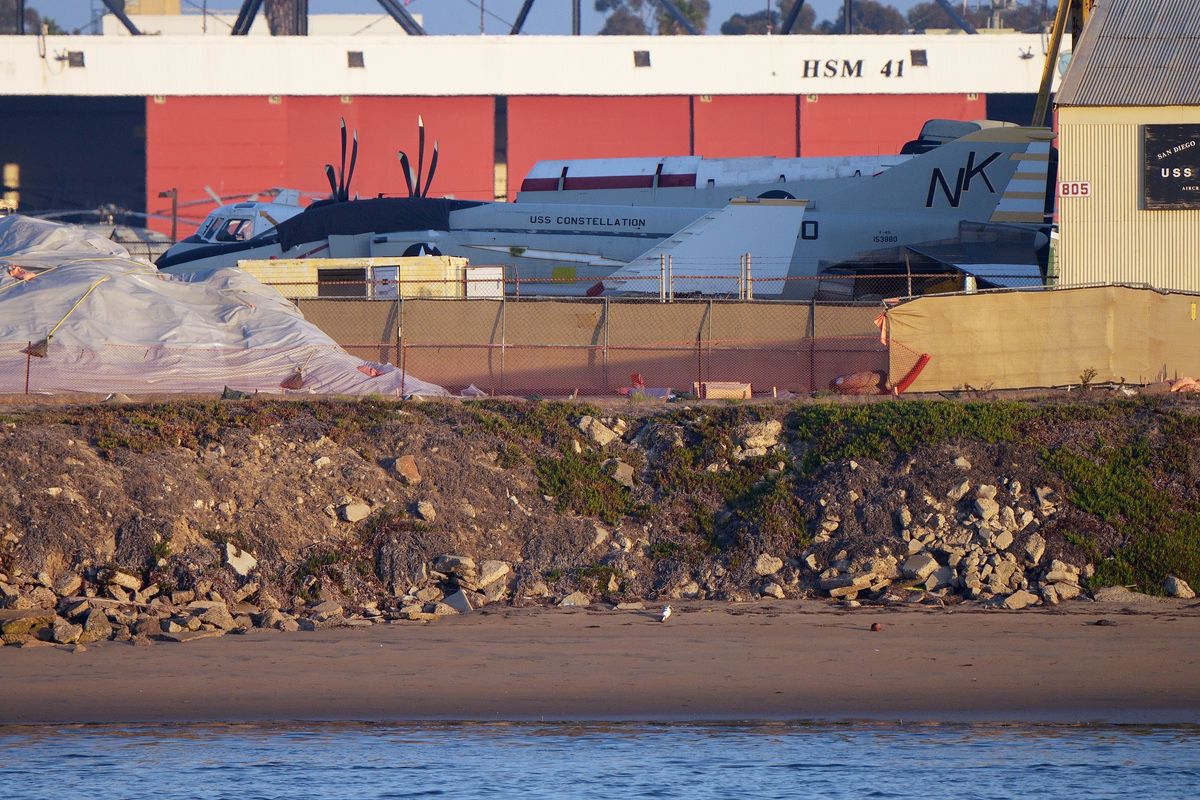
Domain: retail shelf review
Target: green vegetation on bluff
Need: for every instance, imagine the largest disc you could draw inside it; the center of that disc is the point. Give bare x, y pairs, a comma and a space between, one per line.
1129, 469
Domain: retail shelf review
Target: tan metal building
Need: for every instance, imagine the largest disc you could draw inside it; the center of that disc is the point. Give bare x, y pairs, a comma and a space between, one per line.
1129, 148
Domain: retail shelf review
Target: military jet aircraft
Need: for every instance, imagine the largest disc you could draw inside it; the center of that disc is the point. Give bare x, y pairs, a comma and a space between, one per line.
581, 225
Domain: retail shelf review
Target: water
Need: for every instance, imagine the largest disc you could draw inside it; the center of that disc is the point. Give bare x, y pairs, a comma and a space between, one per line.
598, 761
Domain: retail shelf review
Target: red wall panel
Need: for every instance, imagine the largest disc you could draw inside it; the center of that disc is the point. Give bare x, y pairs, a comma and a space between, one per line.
593, 127
729, 126
847, 125
247, 144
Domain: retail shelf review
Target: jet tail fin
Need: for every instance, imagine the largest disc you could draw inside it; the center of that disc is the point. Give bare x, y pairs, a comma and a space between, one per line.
991, 175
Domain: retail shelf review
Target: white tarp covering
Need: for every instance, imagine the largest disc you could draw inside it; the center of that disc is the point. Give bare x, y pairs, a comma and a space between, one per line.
120, 325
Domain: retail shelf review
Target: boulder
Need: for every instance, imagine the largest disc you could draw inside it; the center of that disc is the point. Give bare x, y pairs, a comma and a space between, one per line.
405, 470
1177, 587
621, 472
1035, 548
1067, 591
213, 612
68, 584
837, 584
940, 578
459, 602
597, 431
986, 508
96, 627
462, 566
429, 594
416, 613
23, 622
76, 609
64, 632
985, 491
752, 435
1008, 519
1019, 599
271, 618
920, 566
239, 561
1003, 539
576, 599
354, 512
959, 491
961, 462
767, 564
41, 597
492, 571
772, 589
1061, 572
326, 610
426, 511
123, 579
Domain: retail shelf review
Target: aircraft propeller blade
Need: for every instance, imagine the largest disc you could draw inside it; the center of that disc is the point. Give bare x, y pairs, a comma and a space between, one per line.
432, 169
333, 187
408, 176
341, 187
350, 174
420, 151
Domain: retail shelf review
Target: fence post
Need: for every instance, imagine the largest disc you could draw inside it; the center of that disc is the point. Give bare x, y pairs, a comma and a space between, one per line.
607, 385
662, 278
403, 358
28, 360
399, 324
741, 286
503, 339
671, 278
708, 331
812, 345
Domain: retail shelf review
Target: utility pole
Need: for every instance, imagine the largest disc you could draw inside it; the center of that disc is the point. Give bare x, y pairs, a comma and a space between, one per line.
173, 193
575, 17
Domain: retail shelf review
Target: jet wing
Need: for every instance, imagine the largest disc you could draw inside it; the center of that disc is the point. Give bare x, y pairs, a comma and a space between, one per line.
706, 256
998, 265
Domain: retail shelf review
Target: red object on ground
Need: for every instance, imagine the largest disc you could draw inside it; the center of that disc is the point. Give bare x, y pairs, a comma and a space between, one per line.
636, 379
912, 375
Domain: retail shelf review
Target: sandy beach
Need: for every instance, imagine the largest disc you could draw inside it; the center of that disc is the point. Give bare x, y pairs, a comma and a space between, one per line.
789, 660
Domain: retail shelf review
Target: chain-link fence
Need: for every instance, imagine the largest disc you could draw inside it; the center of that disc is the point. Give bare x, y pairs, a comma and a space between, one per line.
605, 345
517, 343
510, 343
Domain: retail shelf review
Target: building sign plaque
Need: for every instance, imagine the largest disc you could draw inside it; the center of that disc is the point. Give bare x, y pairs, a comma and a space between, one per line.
1171, 166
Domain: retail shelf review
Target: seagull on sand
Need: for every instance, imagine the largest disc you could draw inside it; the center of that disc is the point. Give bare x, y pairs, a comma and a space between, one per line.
666, 614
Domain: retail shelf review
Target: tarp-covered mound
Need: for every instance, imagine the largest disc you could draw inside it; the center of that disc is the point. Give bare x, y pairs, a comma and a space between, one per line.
116, 324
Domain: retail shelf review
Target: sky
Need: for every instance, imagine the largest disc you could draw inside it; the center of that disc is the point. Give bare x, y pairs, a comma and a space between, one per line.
459, 16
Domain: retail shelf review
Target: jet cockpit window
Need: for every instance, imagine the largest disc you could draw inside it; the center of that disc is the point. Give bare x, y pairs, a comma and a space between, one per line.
237, 229
211, 226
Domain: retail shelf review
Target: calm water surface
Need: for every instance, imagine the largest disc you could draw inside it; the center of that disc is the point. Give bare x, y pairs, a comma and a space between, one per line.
601, 761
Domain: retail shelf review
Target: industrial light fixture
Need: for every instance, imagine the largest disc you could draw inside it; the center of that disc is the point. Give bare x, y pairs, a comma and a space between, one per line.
641, 58
354, 59
74, 58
